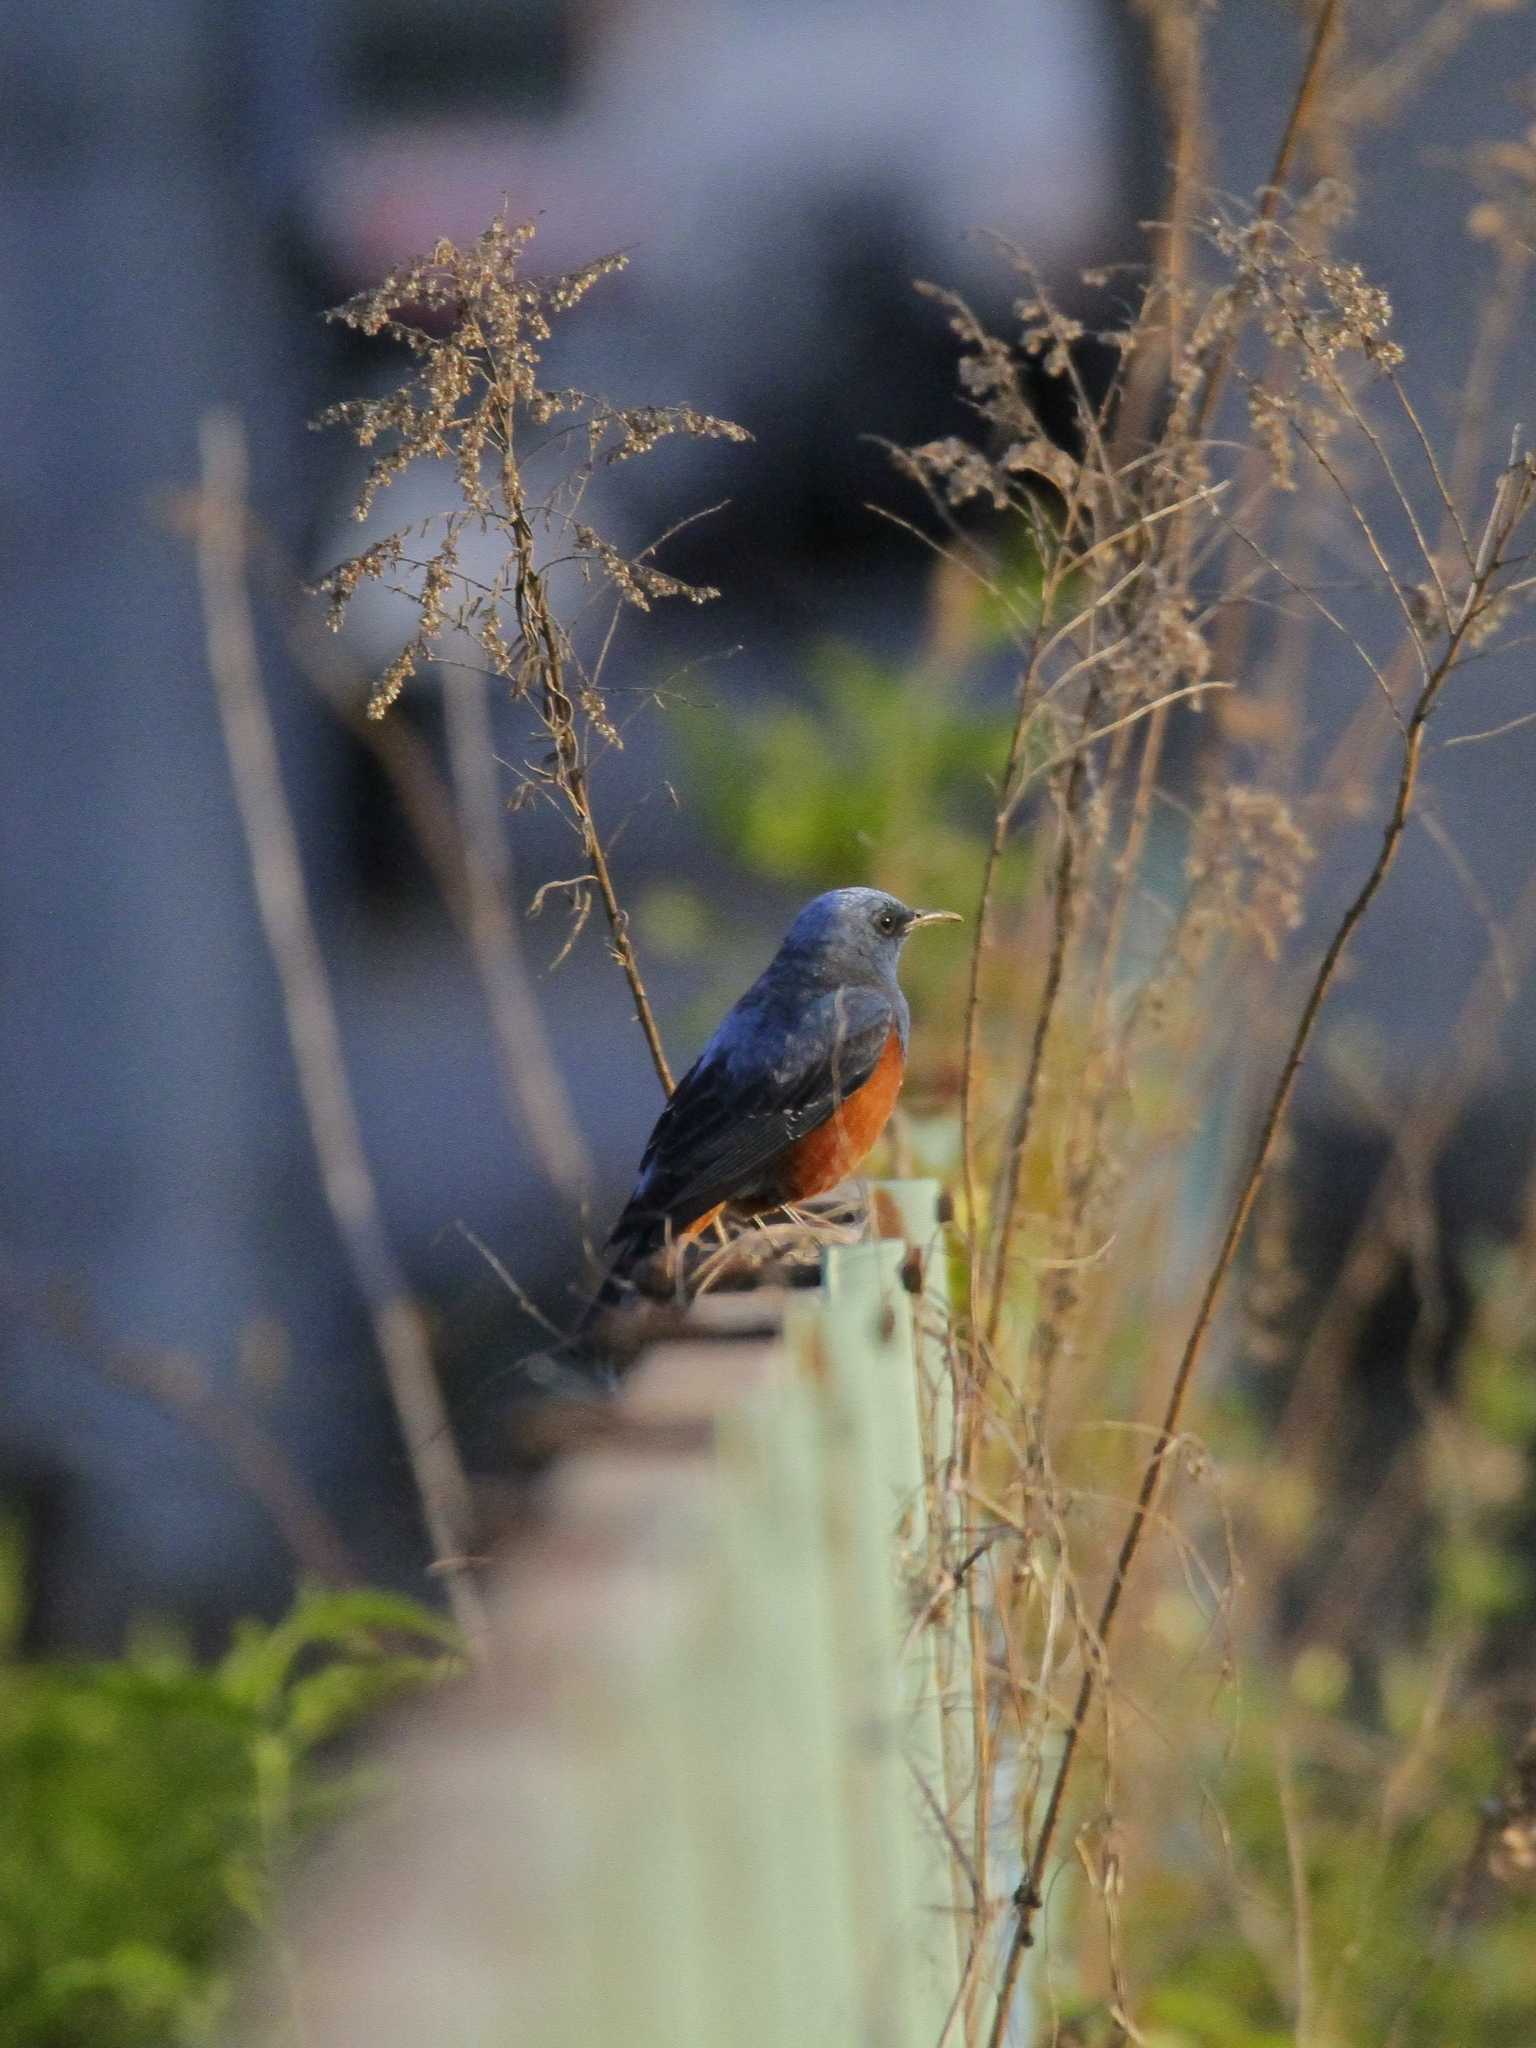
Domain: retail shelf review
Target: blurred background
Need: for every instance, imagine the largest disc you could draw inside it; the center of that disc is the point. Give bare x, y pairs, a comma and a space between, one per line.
194, 1411
186, 186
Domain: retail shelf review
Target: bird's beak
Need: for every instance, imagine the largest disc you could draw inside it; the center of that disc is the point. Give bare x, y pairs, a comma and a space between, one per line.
935, 917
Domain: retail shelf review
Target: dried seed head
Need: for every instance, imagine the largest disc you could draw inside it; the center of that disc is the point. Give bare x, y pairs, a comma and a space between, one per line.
475, 327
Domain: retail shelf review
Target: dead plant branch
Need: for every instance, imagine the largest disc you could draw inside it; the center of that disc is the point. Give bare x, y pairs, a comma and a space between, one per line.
272, 846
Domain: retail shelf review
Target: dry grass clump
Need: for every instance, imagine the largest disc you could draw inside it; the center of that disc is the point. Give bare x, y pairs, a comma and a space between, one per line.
1259, 420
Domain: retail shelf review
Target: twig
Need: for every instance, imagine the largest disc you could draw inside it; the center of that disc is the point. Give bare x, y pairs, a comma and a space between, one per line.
311, 1017
527, 1060
980, 932
464, 848
1307, 89
1177, 48
1493, 732
1301, 1897
1091, 735
182, 1386
532, 1083
541, 636
1021, 1121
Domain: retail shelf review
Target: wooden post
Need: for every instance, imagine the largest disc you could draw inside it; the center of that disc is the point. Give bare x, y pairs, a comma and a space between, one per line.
910, 1212
694, 1794
867, 1337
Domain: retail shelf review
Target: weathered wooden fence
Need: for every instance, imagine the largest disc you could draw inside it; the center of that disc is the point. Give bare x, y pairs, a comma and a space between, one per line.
707, 1788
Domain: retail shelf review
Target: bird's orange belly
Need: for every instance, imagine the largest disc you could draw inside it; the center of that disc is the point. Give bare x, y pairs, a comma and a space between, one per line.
838, 1147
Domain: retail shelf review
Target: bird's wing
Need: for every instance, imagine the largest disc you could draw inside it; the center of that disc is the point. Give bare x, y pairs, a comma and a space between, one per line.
758, 1087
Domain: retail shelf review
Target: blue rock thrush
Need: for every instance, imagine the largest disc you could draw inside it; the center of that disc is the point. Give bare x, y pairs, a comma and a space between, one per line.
793, 1089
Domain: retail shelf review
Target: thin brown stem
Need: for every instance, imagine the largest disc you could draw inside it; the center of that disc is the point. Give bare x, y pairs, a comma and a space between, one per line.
314, 1033
1303, 105
1177, 43
460, 846
531, 1074
969, 1074
1087, 1136
1020, 1123
183, 1387
546, 648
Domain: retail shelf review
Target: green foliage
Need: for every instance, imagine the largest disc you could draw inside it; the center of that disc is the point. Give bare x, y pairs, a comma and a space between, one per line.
150, 1803
879, 773
1376, 1879
1359, 1777
817, 791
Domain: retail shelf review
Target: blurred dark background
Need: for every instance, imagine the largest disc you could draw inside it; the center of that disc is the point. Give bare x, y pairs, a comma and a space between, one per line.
185, 187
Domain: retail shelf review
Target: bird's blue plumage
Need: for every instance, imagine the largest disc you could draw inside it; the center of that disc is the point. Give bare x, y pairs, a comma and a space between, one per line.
804, 1039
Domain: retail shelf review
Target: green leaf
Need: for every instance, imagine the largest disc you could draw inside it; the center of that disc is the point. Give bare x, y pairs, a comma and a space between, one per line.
336, 1698
148, 1803
358, 1620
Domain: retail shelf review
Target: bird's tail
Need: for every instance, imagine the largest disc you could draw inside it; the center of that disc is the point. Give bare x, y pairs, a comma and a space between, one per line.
635, 1240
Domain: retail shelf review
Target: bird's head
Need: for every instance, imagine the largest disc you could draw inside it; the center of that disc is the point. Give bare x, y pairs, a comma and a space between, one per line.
856, 935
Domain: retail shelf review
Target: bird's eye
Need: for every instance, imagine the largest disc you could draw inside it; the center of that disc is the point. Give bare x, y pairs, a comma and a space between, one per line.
888, 922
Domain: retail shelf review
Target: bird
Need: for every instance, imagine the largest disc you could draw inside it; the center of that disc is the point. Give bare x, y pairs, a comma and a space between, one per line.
793, 1089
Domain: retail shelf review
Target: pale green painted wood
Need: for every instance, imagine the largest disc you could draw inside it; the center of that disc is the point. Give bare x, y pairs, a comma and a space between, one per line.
945, 1724
725, 1843
639, 1903
715, 1904
649, 1963
870, 1336
746, 1919
781, 1588
856, 1532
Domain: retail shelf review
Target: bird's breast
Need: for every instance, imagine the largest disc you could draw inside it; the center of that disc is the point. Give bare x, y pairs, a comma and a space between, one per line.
838, 1147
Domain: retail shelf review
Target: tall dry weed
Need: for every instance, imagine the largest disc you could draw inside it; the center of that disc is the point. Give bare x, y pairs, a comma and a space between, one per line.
1260, 423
